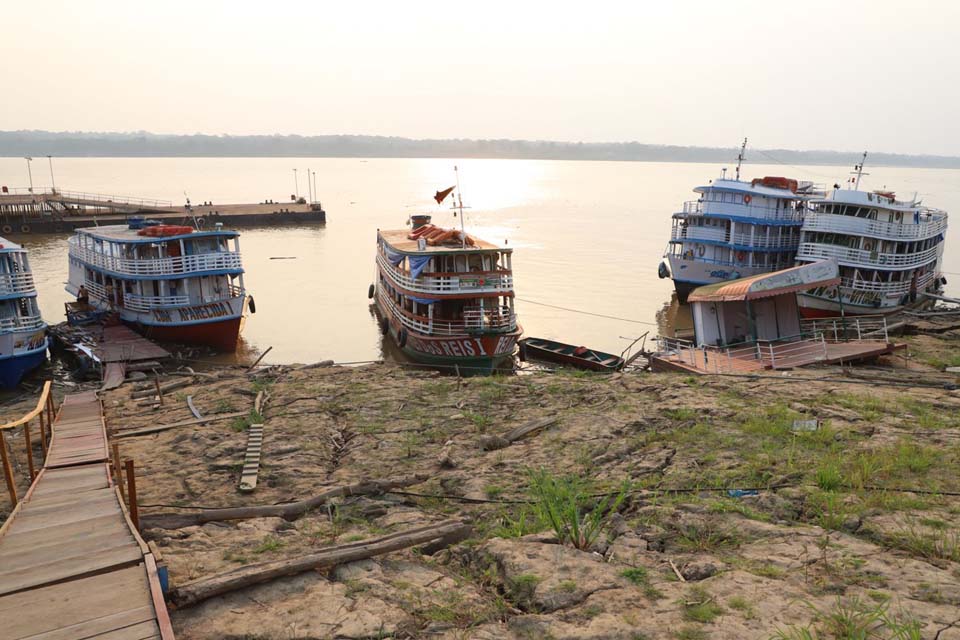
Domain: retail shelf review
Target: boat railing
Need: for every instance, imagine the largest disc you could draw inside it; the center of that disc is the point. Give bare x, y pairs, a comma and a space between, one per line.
762, 242
890, 288
185, 265
694, 233
835, 223
498, 319
148, 303
22, 323
863, 257
846, 328
429, 282
735, 264
747, 355
13, 283
742, 210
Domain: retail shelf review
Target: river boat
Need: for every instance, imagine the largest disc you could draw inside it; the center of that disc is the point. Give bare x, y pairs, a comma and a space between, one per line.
568, 354
446, 297
23, 338
171, 283
889, 251
735, 229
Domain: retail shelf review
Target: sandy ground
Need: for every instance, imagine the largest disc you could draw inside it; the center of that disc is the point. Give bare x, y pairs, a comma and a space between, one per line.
815, 539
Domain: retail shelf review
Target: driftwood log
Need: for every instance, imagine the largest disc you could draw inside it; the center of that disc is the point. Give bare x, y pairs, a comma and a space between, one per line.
193, 592
185, 423
288, 511
492, 443
177, 384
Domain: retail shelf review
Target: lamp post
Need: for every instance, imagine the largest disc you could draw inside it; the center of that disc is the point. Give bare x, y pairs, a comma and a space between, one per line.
53, 182
29, 172
296, 185
309, 187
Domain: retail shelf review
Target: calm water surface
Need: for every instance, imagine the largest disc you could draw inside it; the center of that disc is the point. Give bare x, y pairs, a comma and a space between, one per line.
586, 235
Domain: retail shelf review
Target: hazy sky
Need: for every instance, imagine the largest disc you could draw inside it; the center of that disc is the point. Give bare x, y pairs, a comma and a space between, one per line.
846, 75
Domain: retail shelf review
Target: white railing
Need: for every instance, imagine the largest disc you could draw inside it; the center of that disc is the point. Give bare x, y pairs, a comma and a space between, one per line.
21, 322
834, 223
103, 199
849, 328
762, 354
780, 354
888, 288
857, 257
181, 265
694, 233
13, 283
469, 282
495, 320
707, 208
763, 242
148, 303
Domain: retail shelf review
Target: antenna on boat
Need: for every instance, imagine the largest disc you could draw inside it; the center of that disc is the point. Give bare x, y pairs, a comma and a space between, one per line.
743, 148
858, 170
463, 232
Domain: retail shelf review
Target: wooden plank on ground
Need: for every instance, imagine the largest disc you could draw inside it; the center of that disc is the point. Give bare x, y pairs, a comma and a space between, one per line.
251, 461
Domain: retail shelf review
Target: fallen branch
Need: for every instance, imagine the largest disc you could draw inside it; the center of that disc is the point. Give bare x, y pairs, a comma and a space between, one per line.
262, 356
206, 588
186, 423
193, 408
288, 511
493, 443
151, 391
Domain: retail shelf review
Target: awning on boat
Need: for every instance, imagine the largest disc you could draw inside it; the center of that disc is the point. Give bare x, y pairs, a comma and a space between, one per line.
808, 276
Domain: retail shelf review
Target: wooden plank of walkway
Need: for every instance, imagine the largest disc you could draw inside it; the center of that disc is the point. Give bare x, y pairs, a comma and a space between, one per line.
122, 344
71, 563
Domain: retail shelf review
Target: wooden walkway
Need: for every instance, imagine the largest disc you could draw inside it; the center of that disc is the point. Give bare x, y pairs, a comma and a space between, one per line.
72, 565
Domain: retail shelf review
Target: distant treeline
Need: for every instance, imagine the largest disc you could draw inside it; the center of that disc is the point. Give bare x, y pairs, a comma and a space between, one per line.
142, 144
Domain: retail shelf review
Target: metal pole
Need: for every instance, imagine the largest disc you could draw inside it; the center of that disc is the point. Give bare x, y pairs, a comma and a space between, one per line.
315, 186
296, 185
309, 187
53, 182
29, 172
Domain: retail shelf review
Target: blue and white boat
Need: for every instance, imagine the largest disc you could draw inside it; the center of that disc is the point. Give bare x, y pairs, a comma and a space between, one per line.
736, 229
23, 333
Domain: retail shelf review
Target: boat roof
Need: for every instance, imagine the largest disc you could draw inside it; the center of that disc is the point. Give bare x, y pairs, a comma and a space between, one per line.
7, 245
875, 200
765, 285
123, 233
399, 241
741, 186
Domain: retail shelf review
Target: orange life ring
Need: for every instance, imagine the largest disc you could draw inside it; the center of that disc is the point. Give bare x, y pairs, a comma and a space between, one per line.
747, 198
741, 255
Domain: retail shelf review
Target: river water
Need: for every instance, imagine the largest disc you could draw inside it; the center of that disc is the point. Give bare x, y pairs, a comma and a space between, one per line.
586, 236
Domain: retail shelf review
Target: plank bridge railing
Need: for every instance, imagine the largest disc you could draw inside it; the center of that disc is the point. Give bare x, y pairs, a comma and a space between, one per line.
44, 414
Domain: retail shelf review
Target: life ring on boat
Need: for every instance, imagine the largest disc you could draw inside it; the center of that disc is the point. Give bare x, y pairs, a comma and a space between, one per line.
24, 228
700, 250
747, 199
402, 338
868, 246
7, 228
741, 256
898, 216
201, 223
370, 290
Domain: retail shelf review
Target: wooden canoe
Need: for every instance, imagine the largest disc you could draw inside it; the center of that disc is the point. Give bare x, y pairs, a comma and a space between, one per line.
568, 354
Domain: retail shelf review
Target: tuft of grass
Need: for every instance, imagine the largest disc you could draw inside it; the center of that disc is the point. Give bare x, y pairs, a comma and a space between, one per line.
640, 577
270, 543
700, 606
853, 620
829, 477
564, 503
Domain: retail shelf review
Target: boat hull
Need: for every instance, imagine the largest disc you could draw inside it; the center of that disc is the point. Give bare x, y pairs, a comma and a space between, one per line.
220, 335
14, 368
470, 354
688, 274
530, 351
811, 306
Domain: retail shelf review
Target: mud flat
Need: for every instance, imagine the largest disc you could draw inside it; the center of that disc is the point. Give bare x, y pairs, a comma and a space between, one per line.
736, 522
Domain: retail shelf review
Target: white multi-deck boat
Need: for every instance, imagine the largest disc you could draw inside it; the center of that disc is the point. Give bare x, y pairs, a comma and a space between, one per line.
889, 251
170, 282
735, 229
446, 297
23, 338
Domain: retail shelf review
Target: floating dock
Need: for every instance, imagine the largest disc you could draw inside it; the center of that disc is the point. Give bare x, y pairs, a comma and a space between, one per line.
72, 564
57, 211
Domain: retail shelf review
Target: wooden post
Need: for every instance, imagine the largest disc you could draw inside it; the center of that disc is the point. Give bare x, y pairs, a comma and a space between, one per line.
132, 493
43, 437
26, 437
50, 414
118, 472
156, 382
7, 470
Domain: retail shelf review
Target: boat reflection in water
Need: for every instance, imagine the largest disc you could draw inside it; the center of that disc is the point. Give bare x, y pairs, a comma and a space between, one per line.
674, 319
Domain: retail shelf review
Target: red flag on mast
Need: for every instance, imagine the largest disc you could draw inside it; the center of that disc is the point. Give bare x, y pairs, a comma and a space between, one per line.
440, 195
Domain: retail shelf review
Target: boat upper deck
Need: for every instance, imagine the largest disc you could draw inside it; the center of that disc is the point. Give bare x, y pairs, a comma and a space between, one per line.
123, 234
399, 240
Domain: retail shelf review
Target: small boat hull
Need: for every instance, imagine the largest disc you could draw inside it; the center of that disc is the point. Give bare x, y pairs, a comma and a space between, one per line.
14, 368
567, 354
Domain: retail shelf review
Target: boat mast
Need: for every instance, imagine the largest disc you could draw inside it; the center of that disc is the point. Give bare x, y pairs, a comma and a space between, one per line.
858, 169
463, 232
743, 148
